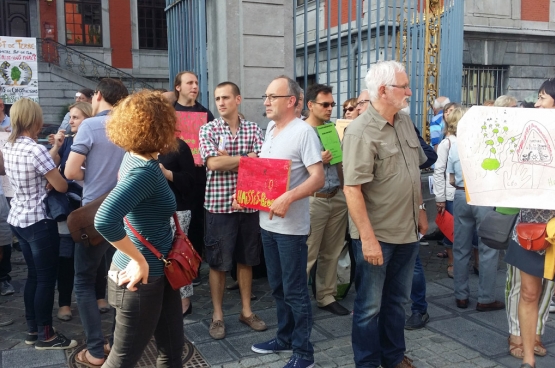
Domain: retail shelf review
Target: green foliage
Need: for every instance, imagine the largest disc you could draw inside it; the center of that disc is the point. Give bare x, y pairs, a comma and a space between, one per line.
16, 74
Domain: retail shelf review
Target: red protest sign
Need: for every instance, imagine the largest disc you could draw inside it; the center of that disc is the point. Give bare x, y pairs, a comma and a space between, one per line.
446, 224
261, 181
188, 126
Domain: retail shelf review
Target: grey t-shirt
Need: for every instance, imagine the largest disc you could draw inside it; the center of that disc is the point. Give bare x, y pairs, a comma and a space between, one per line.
103, 157
299, 143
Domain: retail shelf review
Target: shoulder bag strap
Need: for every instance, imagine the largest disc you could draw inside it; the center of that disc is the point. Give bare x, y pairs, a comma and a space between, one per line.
145, 242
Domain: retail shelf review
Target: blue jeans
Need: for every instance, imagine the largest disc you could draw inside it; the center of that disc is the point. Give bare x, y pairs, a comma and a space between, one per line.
418, 290
467, 220
87, 261
40, 245
378, 334
286, 259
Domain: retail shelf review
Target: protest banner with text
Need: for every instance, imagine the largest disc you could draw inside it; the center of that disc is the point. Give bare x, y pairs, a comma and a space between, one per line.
18, 69
188, 127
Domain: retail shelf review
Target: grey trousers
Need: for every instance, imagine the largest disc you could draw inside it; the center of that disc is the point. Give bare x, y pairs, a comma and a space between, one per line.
467, 218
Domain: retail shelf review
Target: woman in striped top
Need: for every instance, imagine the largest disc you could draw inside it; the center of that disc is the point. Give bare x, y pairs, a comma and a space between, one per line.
144, 125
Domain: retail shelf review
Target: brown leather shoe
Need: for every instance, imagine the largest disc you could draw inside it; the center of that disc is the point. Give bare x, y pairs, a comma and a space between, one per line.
217, 330
405, 363
462, 303
253, 322
496, 305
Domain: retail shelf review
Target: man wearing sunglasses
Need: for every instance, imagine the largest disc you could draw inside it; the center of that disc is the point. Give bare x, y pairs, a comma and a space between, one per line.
328, 210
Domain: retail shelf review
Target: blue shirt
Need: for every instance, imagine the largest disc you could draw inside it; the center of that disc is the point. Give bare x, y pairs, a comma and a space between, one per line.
6, 123
103, 157
454, 165
437, 126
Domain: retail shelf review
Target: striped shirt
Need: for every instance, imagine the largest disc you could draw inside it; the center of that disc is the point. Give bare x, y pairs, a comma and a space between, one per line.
26, 163
220, 185
143, 195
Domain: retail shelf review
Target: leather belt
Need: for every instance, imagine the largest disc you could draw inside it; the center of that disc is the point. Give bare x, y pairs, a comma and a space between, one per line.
459, 188
327, 195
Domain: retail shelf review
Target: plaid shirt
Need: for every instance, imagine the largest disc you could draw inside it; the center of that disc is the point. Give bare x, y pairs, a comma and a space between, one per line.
220, 185
26, 163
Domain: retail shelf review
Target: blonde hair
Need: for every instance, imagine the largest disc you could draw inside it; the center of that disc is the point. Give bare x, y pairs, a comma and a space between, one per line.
453, 119
25, 116
84, 107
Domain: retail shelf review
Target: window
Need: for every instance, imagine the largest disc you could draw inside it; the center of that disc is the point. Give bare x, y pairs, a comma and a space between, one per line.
301, 2
83, 22
481, 83
153, 32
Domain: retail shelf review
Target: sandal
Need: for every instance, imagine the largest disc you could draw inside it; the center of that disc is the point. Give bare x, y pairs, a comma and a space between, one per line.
81, 358
526, 365
442, 254
539, 349
513, 346
450, 270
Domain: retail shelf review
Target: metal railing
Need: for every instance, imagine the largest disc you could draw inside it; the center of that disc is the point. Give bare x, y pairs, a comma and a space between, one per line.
67, 58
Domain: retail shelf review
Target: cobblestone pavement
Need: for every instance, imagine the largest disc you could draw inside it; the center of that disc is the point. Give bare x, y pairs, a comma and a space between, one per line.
453, 337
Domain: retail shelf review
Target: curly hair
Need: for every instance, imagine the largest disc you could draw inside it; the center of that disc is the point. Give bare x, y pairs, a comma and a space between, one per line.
143, 123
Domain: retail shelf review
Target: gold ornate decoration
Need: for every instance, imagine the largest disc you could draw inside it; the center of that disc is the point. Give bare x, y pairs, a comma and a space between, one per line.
433, 10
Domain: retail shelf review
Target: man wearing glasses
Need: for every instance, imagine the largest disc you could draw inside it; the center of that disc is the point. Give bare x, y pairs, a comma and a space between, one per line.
328, 210
362, 101
286, 227
381, 158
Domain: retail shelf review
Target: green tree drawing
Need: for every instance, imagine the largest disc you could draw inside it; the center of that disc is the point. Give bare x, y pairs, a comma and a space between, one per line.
16, 75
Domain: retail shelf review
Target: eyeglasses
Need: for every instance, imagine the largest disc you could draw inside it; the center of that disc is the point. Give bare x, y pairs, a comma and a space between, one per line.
406, 86
350, 109
272, 98
325, 105
362, 102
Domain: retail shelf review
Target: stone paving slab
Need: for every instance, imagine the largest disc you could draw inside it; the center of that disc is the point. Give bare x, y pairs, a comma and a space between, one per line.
31, 358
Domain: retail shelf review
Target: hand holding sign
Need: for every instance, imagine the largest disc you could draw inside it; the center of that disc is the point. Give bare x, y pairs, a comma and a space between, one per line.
330, 141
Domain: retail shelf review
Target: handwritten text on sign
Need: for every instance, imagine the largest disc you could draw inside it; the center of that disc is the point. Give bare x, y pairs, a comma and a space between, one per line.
261, 181
188, 126
18, 69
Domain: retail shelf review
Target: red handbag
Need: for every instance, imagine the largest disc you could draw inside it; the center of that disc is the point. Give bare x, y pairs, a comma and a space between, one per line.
182, 263
532, 236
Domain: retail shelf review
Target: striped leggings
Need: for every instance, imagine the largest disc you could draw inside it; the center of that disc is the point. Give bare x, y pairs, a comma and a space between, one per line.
512, 296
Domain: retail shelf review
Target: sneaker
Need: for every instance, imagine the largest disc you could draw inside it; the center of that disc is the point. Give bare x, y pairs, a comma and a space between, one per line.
424, 242
59, 342
296, 362
4, 321
417, 321
6, 288
217, 330
31, 339
405, 363
253, 322
269, 347
552, 307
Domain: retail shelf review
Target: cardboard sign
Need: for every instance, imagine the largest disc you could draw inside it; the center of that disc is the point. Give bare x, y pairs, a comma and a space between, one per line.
18, 69
446, 223
261, 181
341, 125
330, 141
188, 126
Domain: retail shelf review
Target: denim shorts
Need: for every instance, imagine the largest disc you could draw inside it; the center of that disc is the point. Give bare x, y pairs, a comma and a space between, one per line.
232, 237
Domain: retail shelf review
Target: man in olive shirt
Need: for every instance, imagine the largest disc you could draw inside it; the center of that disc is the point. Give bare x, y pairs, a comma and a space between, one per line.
381, 155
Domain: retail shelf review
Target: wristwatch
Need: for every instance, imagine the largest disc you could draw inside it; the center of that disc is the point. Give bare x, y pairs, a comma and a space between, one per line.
422, 206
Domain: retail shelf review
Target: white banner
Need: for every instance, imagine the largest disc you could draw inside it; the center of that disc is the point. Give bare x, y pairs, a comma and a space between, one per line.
18, 69
508, 156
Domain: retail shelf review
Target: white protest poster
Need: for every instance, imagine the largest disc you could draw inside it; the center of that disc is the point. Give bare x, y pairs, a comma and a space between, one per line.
18, 69
6, 186
507, 156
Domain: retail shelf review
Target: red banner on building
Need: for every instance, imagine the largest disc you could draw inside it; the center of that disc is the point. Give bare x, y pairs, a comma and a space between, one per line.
261, 181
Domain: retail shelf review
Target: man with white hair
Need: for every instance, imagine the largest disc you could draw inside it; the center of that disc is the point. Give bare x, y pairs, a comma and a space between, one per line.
381, 155
437, 125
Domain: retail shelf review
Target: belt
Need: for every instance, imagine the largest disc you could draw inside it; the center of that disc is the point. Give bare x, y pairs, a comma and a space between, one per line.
459, 188
327, 195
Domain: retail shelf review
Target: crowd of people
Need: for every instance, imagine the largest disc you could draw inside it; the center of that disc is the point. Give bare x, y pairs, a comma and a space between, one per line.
123, 147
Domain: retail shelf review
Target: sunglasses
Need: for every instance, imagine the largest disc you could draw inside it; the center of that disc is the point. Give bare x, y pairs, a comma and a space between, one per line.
350, 109
325, 105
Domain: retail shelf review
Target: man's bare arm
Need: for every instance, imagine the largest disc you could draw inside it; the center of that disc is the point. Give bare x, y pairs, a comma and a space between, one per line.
73, 170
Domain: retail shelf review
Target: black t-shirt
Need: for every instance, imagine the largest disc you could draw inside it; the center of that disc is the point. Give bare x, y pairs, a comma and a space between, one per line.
195, 108
182, 165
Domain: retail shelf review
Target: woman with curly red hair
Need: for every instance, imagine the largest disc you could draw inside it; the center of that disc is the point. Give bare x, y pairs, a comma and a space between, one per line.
143, 124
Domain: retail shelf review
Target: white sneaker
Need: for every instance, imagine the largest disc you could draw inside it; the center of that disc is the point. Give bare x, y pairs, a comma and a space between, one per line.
552, 307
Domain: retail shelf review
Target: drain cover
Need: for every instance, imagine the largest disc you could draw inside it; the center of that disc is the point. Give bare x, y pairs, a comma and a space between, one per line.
191, 357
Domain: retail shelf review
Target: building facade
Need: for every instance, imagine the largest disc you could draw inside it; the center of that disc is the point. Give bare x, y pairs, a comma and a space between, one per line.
81, 41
